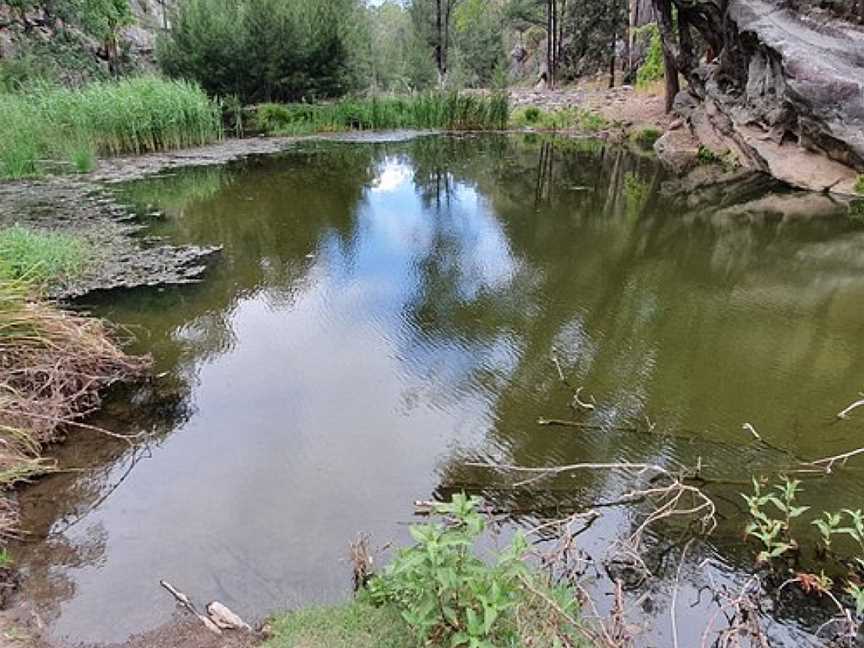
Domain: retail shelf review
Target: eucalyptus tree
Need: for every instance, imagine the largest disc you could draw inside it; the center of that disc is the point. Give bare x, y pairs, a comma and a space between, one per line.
433, 20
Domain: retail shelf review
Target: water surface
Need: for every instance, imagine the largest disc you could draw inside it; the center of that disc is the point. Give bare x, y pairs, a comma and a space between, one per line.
384, 312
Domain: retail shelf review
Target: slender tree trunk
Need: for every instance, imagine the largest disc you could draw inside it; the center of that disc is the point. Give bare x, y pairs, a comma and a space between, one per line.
612, 59
439, 44
664, 23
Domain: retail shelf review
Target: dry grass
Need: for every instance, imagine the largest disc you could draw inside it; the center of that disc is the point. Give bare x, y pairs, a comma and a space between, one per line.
53, 366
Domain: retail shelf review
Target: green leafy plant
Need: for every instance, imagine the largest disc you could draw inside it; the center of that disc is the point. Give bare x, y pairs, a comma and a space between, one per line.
449, 595
646, 137
653, 68
857, 593
773, 532
859, 185
706, 156
827, 527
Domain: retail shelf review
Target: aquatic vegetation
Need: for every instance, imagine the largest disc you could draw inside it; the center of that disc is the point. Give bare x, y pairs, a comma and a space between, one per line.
40, 257
47, 127
452, 111
774, 533
55, 365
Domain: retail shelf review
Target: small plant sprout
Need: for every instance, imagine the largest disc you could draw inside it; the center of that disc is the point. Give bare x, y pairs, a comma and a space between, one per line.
828, 527
773, 532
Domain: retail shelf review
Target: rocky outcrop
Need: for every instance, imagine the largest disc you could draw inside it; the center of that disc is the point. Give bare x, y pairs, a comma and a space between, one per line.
783, 91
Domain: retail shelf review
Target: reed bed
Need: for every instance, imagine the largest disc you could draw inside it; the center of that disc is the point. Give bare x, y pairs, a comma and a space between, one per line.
54, 365
45, 127
450, 111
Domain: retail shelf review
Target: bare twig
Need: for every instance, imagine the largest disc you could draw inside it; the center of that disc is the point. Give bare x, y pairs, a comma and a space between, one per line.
827, 464
846, 412
672, 609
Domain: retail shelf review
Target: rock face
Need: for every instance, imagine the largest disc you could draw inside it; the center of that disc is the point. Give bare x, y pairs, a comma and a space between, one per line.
784, 93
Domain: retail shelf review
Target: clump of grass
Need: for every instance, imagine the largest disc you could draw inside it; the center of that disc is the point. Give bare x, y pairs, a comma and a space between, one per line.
706, 156
452, 111
358, 624
139, 115
645, 137
53, 365
41, 257
561, 119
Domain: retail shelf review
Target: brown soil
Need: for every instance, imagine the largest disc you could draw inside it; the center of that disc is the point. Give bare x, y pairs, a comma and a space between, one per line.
625, 106
21, 628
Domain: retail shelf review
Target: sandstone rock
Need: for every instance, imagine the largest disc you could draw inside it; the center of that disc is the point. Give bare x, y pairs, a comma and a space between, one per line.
678, 150
785, 94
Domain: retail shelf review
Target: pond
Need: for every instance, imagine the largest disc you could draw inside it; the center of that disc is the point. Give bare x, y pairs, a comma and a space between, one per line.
385, 312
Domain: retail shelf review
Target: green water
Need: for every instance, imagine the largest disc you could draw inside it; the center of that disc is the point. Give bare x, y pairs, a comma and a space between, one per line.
384, 312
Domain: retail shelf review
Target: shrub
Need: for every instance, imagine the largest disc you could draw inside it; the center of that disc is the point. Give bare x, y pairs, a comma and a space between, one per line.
446, 592
646, 137
263, 50
136, 115
652, 68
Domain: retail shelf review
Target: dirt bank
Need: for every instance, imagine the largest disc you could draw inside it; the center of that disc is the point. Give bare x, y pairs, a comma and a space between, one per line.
625, 107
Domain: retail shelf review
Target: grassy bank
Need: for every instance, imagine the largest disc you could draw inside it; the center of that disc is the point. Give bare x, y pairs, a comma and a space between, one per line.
53, 128
449, 111
53, 363
444, 591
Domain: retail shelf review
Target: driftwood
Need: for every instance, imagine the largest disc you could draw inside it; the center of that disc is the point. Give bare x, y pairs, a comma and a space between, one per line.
225, 618
187, 603
220, 617
846, 412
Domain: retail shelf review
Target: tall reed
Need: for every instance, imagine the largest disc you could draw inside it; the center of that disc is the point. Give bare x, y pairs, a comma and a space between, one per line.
451, 111
47, 125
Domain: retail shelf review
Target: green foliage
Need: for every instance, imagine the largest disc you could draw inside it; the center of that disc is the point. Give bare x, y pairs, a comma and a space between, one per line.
478, 41
451, 111
561, 119
136, 115
5, 558
859, 185
653, 67
636, 194
40, 257
445, 591
773, 532
264, 50
645, 137
706, 156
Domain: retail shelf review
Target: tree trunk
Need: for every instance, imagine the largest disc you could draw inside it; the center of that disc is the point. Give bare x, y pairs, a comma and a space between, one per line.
612, 60
439, 44
670, 60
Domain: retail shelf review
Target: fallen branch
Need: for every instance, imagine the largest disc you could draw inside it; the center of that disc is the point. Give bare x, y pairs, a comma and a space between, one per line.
585, 426
827, 464
846, 412
187, 603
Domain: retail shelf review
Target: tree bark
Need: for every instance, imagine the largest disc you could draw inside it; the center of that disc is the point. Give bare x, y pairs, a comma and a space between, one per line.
670, 60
